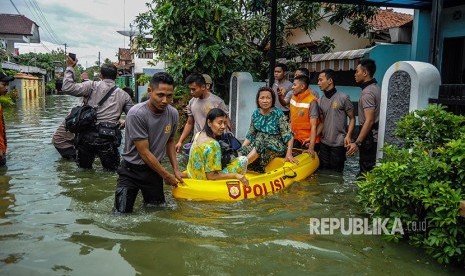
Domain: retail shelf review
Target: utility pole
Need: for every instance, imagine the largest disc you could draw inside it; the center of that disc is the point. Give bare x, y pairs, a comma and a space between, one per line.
272, 52
99, 60
65, 52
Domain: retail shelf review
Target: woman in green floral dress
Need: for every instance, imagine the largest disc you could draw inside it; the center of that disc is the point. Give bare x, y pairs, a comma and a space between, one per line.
269, 135
205, 153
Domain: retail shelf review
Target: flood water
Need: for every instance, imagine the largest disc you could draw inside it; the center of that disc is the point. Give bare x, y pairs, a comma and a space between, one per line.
55, 219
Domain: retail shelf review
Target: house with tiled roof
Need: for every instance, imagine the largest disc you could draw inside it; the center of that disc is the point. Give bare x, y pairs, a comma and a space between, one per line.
391, 26
387, 26
388, 41
124, 63
15, 28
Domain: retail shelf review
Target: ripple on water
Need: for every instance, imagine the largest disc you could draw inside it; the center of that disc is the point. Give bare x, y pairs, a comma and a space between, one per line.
56, 219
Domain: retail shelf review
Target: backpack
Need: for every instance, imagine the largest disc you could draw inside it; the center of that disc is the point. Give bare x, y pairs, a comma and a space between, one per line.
227, 153
81, 118
84, 117
232, 141
229, 147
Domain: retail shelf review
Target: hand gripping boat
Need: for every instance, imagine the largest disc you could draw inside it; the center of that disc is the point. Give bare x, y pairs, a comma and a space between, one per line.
279, 175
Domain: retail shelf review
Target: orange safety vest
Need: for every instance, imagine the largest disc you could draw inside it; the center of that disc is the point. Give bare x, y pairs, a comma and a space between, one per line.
300, 117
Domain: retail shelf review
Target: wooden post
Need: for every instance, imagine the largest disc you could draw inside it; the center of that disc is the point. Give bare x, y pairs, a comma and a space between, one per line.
272, 52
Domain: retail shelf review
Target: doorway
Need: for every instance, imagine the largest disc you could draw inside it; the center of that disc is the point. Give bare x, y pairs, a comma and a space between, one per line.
453, 61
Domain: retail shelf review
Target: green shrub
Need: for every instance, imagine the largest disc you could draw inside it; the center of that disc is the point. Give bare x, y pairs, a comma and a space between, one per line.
423, 183
143, 79
429, 128
6, 101
50, 85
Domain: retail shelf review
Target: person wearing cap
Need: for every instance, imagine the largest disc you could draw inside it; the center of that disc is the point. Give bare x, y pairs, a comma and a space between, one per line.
4, 80
90, 143
198, 107
208, 82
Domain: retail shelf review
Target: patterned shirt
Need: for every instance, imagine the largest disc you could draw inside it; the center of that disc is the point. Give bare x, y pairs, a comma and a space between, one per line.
274, 124
204, 158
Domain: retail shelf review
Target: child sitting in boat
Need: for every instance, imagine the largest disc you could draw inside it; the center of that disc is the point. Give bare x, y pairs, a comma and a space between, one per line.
205, 154
269, 135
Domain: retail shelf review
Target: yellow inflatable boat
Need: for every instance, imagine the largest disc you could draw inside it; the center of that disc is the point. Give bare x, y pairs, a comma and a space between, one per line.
278, 176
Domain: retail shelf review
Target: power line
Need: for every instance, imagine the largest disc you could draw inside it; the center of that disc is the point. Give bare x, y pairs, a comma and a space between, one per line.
37, 17
46, 48
45, 20
15, 7
19, 13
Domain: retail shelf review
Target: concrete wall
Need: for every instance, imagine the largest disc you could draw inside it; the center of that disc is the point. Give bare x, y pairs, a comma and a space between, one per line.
407, 86
141, 64
343, 40
421, 36
242, 102
387, 54
450, 26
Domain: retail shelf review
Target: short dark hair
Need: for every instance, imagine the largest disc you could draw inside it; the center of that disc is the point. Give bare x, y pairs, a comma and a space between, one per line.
196, 78
304, 70
109, 71
266, 88
211, 116
303, 78
282, 65
161, 77
330, 74
369, 65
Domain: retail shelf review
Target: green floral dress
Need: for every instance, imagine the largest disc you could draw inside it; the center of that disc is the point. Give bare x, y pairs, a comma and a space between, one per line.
207, 158
269, 135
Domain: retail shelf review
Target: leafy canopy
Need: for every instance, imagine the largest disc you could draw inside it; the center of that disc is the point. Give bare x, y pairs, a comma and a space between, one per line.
222, 36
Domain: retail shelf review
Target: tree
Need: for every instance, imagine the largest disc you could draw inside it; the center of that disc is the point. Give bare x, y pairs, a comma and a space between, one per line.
219, 37
107, 61
47, 61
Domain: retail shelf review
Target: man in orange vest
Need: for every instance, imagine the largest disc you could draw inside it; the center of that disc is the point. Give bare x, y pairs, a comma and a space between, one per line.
304, 114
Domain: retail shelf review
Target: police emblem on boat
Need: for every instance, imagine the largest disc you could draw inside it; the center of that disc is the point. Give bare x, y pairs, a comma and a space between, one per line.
234, 189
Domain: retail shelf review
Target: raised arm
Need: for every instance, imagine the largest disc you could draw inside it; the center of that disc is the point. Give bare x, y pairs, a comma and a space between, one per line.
70, 87
283, 97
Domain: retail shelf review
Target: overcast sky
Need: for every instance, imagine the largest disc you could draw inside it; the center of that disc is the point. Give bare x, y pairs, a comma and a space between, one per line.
86, 26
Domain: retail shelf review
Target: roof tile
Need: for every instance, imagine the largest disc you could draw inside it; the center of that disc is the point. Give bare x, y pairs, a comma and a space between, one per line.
386, 19
15, 24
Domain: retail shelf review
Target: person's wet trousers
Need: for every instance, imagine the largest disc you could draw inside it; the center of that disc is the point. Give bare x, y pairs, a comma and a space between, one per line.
133, 178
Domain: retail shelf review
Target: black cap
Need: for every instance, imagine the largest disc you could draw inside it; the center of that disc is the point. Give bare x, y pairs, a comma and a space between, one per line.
5, 78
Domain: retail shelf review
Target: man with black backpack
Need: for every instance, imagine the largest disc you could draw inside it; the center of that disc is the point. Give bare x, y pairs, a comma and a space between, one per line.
101, 137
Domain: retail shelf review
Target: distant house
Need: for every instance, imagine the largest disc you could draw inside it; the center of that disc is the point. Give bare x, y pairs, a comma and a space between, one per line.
125, 63
137, 62
30, 80
388, 41
17, 28
387, 26
142, 58
391, 27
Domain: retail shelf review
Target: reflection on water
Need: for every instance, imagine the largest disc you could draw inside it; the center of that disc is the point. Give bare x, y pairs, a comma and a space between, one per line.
55, 220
